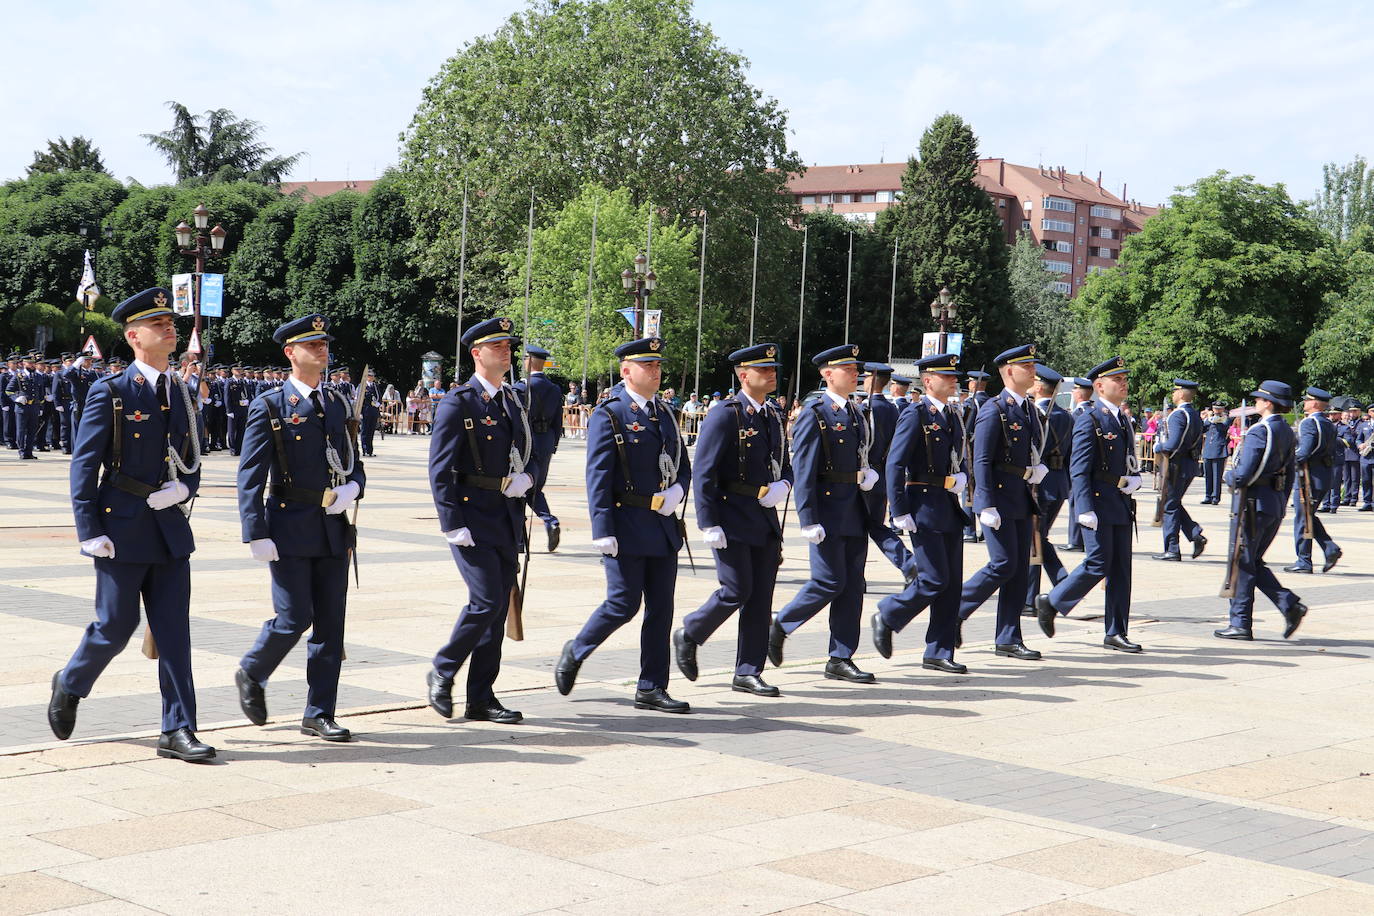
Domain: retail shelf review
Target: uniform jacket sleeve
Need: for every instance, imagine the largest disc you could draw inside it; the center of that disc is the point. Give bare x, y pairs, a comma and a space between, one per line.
987, 439
446, 443
898, 458
255, 463
1308, 429
601, 469
88, 458
806, 458
712, 438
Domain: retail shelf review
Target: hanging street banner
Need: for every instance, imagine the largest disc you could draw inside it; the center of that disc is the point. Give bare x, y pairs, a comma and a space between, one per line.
628, 314
181, 294
652, 319
212, 295
930, 344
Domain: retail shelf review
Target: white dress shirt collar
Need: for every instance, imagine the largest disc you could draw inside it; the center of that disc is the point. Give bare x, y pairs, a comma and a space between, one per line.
305, 390
750, 401
836, 399
151, 374
487, 386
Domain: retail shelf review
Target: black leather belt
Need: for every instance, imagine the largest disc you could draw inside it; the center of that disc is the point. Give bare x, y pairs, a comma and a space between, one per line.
121, 481
1273, 481
1014, 470
928, 480
1110, 479
302, 495
755, 491
483, 482
654, 502
1054, 462
840, 476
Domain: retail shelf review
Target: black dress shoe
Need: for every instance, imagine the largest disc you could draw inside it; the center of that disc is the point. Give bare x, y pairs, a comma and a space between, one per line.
1070, 548
1018, 650
1199, 545
565, 672
252, 699
491, 711
970, 539
947, 665
440, 693
61, 708
776, 637
882, 635
555, 535
659, 700
1028, 611
844, 669
182, 745
1366, 508
1233, 633
1172, 556
1121, 644
1332, 560
325, 727
752, 683
685, 651
1293, 616
1045, 614
1298, 568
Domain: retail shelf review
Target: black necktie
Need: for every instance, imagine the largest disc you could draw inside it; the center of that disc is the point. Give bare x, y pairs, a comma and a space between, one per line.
162, 390
315, 401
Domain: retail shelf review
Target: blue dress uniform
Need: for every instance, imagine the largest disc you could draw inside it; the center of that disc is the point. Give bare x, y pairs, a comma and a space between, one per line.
1364, 432
1103, 474
469, 461
372, 414
1214, 441
881, 415
1316, 452
1005, 441
922, 468
1350, 477
64, 397
239, 394
297, 455
7, 412
634, 453
80, 379
1181, 441
1075, 542
27, 388
545, 405
827, 442
126, 433
1054, 490
1265, 466
971, 406
741, 453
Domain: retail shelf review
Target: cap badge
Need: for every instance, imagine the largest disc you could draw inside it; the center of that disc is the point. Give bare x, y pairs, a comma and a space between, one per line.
318, 323
505, 324
654, 344
1031, 350
854, 351
771, 352
1120, 362
160, 299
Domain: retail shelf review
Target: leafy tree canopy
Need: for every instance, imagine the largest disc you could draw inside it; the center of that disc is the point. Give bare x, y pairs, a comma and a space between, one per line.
218, 146
77, 155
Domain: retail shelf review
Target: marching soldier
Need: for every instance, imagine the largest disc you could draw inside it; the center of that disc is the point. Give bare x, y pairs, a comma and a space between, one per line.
829, 452
1081, 399
80, 378
1260, 481
141, 429
923, 483
26, 389
637, 475
481, 465
1364, 447
7, 406
1057, 424
898, 392
1315, 459
1214, 452
372, 412
298, 442
1350, 476
1105, 474
1006, 464
742, 473
972, 403
1181, 443
239, 393
881, 415
545, 404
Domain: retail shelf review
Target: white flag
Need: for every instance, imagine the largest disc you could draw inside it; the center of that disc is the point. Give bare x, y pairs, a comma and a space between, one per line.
87, 287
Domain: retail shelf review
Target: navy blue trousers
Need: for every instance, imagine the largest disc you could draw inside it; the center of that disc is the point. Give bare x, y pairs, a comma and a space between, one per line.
1107, 555
1212, 471
630, 580
1177, 522
747, 576
1049, 556
1350, 476
837, 579
26, 428
1007, 572
165, 590
7, 426
1075, 530
368, 431
1252, 573
1303, 548
538, 502
489, 573
238, 423
939, 559
307, 593
1367, 482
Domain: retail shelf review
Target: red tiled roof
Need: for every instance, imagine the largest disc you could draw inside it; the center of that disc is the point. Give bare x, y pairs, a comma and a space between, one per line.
1072, 185
313, 190
884, 176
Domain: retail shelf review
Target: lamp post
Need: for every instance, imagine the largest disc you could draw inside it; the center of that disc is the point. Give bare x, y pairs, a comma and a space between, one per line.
944, 310
206, 246
639, 283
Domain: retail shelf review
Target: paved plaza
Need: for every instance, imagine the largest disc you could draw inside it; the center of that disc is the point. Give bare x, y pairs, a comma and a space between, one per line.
1202, 777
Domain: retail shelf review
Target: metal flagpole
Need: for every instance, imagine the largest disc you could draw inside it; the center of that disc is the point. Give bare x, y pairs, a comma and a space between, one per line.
462, 268
591, 274
848, 282
529, 268
701, 295
801, 315
892, 302
754, 284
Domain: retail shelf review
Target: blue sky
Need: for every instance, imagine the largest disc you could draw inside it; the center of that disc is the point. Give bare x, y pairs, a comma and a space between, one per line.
1151, 94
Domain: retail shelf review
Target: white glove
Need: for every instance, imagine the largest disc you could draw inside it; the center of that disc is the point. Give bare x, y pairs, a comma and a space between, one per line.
960, 481
869, 478
905, 522
714, 538
99, 547
47, 397
672, 498
460, 537
345, 495
813, 533
990, 518
518, 486
1088, 520
609, 546
61, 409
1038, 473
264, 550
777, 492
20, 399
171, 493
1132, 484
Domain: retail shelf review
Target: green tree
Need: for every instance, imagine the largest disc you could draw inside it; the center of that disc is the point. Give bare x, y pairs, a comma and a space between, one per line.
1339, 354
77, 155
950, 235
255, 284
1346, 199
218, 146
1066, 338
1222, 286
320, 266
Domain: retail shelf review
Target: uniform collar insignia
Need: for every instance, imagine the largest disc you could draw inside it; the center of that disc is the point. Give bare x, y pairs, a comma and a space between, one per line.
139, 379
293, 399
634, 406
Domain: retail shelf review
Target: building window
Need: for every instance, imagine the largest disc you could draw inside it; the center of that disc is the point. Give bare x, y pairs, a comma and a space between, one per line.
1102, 232
885, 197
1025, 225
1059, 267
1053, 245
1097, 269
1102, 253
1057, 203
869, 198
808, 200
1056, 225
1001, 203
1059, 286
1105, 212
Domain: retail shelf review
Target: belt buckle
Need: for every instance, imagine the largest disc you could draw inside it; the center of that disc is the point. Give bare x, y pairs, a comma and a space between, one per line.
763, 491
505, 482
328, 499
1028, 473
656, 501
1121, 483
949, 483
858, 476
